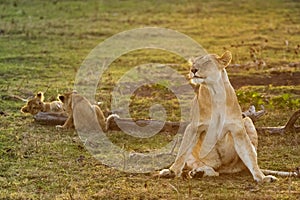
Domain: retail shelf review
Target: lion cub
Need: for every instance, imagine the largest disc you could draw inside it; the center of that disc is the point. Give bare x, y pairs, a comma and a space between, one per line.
82, 114
37, 104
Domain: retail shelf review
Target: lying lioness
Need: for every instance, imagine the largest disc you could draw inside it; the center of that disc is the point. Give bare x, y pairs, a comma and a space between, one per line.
82, 114
37, 104
218, 140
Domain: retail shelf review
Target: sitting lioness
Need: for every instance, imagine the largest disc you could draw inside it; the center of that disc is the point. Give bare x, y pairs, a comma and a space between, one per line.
37, 104
82, 114
218, 140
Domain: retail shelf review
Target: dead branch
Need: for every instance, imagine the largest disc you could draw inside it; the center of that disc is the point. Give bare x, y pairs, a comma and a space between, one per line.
169, 127
288, 127
51, 118
253, 114
294, 173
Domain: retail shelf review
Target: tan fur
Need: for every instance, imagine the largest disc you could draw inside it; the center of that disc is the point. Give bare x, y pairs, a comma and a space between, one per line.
82, 114
218, 140
37, 104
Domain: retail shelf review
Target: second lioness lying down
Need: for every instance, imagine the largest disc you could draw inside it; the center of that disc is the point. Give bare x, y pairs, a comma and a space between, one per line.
82, 114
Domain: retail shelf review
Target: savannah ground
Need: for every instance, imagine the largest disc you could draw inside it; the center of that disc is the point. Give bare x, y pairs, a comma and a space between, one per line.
43, 43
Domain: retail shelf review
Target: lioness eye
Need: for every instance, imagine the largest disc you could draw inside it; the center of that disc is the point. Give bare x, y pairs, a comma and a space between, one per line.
206, 62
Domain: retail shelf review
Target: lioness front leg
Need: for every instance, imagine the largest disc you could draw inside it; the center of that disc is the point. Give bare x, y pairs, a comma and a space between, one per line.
100, 117
247, 153
184, 150
68, 123
189, 140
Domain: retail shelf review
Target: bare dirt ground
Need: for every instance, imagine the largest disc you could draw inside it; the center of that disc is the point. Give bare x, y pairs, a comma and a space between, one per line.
275, 78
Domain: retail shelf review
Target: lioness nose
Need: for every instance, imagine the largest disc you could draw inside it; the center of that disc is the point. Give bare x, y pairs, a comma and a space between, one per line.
194, 70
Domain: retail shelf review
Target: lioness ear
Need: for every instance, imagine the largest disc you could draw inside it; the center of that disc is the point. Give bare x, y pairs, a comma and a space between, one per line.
225, 59
61, 98
24, 109
40, 95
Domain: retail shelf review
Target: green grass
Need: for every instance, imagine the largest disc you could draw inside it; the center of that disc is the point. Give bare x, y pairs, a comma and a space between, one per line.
42, 45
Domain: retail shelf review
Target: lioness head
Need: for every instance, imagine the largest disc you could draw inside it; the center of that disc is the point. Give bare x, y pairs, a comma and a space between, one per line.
34, 105
208, 68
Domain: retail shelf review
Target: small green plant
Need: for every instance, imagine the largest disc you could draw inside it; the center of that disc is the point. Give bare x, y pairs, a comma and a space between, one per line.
250, 98
285, 101
268, 96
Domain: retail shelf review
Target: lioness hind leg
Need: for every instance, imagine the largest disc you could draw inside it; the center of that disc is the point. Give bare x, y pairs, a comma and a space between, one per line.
247, 153
251, 131
252, 134
239, 164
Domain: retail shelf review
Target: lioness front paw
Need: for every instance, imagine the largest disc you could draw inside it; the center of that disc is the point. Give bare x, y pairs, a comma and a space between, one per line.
203, 172
195, 174
269, 179
59, 127
166, 173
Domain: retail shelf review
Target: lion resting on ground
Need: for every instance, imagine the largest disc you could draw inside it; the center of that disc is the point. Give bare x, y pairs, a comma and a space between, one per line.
218, 140
82, 114
37, 104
